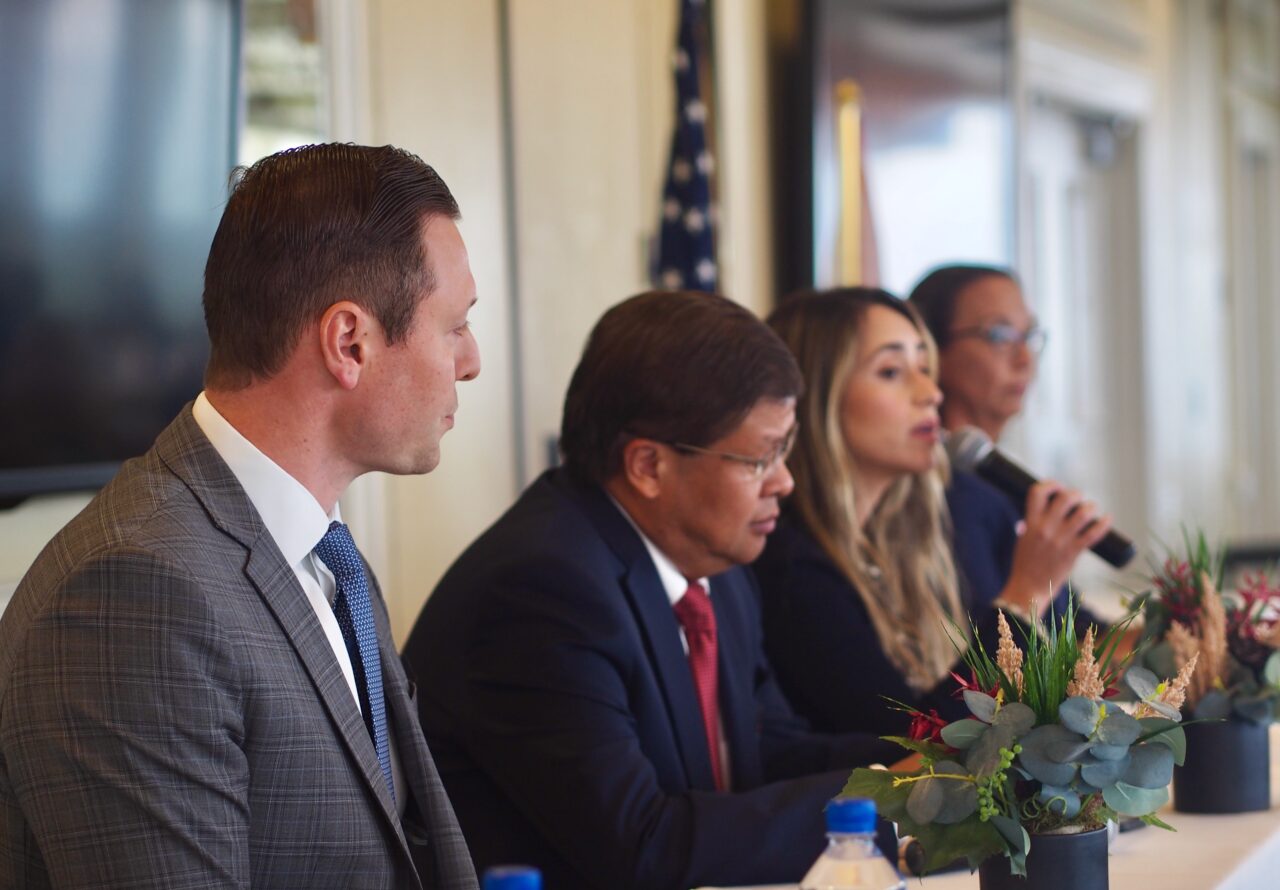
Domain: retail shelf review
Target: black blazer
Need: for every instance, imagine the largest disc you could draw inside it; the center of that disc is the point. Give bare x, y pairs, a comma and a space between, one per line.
561, 710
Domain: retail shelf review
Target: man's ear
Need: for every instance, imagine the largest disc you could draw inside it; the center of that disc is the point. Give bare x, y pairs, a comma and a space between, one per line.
646, 466
346, 334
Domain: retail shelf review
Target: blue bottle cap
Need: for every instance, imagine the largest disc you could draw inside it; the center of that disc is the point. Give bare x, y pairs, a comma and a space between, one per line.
851, 815
512, 877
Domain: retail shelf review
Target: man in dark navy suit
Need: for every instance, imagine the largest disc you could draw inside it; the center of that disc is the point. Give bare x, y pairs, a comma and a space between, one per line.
592, 679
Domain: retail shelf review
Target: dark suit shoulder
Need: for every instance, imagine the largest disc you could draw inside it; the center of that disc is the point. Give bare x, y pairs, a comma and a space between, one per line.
971, 499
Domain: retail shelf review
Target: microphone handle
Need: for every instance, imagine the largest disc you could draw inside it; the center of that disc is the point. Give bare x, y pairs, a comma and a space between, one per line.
1004, 474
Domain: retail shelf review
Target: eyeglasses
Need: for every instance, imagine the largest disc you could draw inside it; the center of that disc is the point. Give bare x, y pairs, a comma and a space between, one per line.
1004, 336
759, 466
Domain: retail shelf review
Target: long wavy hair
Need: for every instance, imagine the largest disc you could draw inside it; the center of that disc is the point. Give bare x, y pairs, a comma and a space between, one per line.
900, 562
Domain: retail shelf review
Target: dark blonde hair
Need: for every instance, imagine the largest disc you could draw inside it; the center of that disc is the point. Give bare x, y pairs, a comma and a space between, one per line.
900, 563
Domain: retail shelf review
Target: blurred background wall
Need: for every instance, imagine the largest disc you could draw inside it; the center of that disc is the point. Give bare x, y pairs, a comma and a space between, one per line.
1126, 160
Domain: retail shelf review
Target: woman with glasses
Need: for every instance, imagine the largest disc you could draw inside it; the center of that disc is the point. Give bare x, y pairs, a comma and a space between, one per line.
988, 342
859, 581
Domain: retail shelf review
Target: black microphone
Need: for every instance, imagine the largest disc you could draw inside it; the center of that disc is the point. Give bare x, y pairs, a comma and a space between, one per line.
971, 450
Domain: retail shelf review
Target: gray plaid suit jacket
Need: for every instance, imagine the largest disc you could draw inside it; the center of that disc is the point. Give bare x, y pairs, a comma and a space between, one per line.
172, 715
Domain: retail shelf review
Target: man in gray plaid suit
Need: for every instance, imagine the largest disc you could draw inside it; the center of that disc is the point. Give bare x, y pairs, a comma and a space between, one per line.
198, 686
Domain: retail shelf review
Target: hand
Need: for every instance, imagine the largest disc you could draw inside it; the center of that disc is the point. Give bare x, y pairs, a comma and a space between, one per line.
1059, 525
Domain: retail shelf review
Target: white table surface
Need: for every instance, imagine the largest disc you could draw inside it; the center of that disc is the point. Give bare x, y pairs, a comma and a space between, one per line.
1238, 852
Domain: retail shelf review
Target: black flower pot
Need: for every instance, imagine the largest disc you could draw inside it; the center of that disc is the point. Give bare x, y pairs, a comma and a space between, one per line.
1227, 769
1056, 862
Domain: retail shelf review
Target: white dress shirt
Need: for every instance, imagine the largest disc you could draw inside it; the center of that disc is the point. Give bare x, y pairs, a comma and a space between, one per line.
296, 522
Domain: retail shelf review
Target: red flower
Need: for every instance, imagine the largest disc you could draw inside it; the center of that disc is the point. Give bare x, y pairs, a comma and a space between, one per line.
926, 727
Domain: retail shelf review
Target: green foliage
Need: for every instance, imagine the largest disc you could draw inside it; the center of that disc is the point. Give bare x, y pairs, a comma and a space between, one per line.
1030, 759
1250, 681
970, 838
1169, 733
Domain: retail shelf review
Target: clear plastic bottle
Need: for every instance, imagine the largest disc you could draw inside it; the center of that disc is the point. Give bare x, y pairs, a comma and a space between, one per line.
512, 877
852, 861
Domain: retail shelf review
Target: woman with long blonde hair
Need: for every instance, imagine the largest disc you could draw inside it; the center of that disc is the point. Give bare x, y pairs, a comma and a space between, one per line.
861, 591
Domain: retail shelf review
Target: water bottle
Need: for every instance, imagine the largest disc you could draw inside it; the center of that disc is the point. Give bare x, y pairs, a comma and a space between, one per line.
852, 861
512, 877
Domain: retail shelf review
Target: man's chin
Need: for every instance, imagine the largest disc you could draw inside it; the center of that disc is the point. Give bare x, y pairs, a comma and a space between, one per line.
413, 465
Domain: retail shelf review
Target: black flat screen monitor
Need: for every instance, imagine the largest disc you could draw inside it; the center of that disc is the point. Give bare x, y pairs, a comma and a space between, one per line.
118, 132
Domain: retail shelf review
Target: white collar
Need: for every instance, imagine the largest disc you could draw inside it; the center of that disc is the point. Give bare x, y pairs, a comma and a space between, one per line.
674, 583
292, 515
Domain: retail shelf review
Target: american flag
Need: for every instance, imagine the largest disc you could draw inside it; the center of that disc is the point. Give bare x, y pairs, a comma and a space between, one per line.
686, 249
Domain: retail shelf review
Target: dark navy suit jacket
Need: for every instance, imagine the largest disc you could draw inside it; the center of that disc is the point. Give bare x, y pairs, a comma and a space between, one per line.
560, 706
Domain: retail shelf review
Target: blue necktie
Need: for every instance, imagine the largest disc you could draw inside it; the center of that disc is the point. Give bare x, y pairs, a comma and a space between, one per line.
355, 617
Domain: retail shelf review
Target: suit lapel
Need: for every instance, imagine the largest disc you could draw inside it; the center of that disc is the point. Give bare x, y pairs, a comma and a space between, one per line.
658, 625
278, 586
188, 453
737, 683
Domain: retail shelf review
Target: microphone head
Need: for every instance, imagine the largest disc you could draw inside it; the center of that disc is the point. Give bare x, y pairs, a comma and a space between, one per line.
967, 447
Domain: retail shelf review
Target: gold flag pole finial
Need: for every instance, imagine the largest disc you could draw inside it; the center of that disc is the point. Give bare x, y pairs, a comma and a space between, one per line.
849, 134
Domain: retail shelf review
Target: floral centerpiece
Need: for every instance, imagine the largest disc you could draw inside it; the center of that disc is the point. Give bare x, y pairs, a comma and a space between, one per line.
1043, 752
1233, 638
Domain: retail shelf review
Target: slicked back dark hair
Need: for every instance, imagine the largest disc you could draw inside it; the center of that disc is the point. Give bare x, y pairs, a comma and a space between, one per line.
673, 366
936, 295
308, 227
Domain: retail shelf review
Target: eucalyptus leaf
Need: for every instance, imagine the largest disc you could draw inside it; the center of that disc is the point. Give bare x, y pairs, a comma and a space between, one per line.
1118, 728
984, 757
1060, 801
1101, 773
959, 801
1271, 670
963, 733
1165, 709
1142, 681
1068, 750
1130, 800
925, 801
1079, 714
1035, 761
1017, 716
980, 705
1150, 766
1159, 731
1109, 752
1214, 706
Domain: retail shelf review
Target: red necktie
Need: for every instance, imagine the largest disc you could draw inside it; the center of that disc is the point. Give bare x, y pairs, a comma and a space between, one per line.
699, 622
